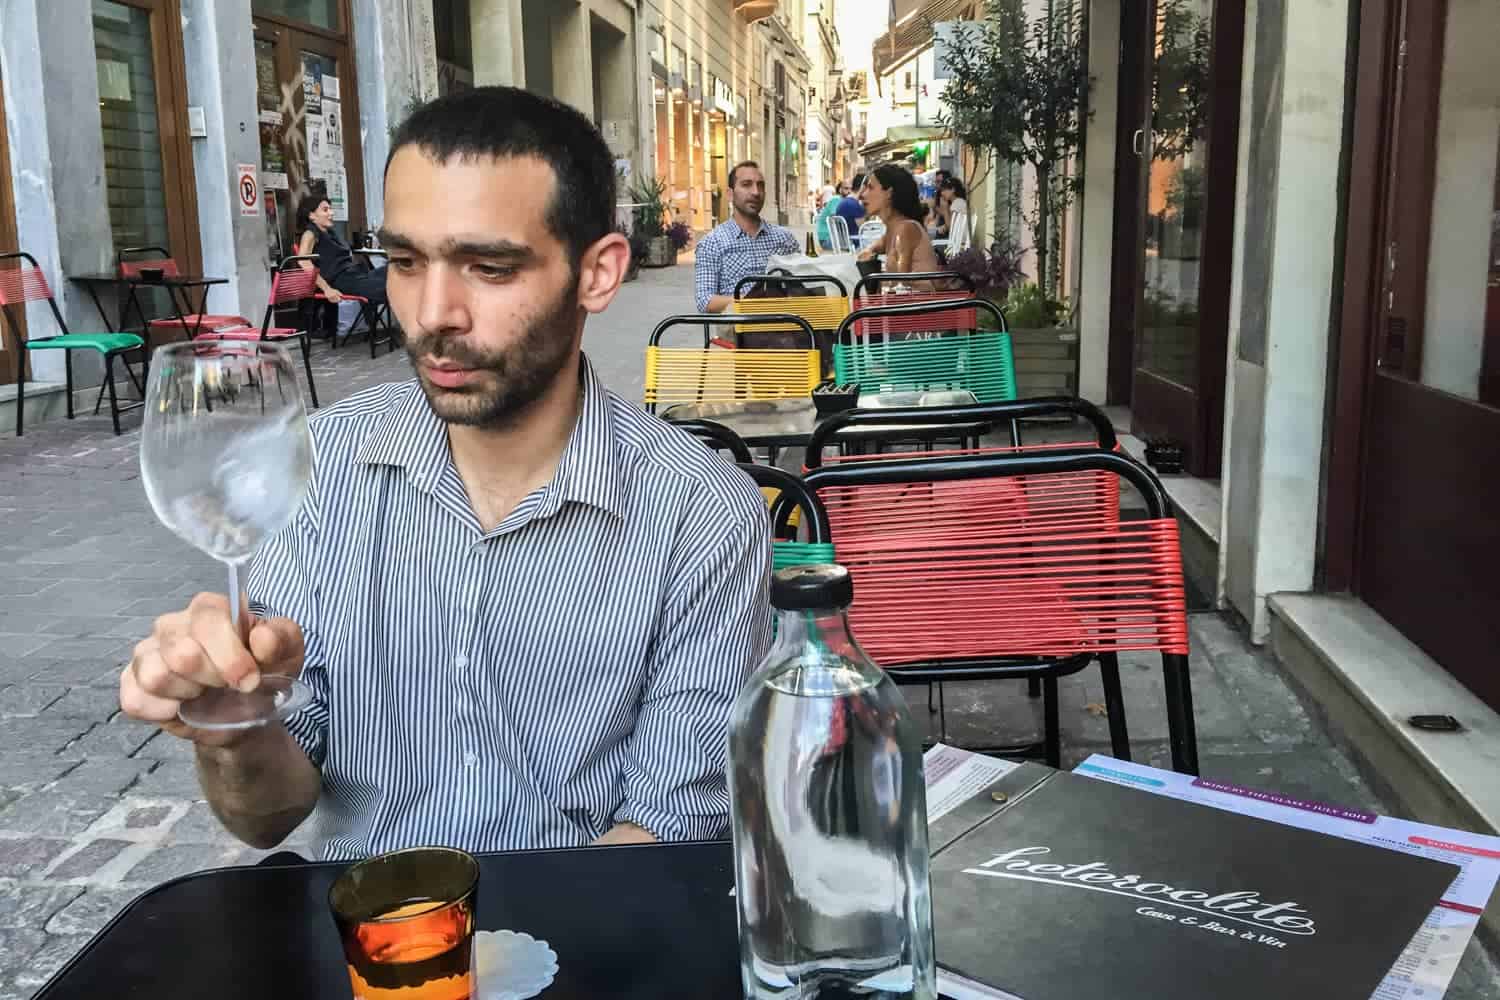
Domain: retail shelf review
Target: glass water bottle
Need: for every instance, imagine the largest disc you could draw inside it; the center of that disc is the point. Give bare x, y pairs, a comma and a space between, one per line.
829, 812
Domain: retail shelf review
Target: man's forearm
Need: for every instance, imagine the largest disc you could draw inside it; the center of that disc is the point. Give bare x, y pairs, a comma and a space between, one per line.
718, 303
261, 789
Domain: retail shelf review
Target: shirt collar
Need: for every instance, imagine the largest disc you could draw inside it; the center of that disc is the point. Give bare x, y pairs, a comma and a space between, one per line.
413, 438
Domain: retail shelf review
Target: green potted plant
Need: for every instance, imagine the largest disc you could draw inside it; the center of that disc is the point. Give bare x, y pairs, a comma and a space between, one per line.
649, 195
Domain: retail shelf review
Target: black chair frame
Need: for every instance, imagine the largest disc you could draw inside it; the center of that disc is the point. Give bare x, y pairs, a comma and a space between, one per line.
814, 514
804, 280
872, 282
23, 362
1174, 665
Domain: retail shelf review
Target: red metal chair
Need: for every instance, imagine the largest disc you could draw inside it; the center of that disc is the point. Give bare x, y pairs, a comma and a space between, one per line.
188, 324
1011, 562
22, 280
292, 286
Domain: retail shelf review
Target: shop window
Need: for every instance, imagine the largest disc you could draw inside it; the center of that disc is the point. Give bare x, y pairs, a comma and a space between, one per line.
319, 13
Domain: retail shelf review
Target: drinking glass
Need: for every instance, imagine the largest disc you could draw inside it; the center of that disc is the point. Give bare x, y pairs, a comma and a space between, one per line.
407, 924
226, 456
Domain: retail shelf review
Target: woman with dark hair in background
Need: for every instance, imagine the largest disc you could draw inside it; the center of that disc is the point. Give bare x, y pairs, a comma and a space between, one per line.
952, 199
338, 275
891, 193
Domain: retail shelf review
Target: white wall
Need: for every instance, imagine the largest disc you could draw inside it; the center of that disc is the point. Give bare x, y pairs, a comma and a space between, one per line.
1468, 136
1276, 440
1095, 207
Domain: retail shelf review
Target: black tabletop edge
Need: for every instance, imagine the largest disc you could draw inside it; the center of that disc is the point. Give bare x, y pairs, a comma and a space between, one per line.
235, 870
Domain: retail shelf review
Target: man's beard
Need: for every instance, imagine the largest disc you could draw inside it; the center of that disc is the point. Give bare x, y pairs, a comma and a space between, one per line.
518, 375
748, 212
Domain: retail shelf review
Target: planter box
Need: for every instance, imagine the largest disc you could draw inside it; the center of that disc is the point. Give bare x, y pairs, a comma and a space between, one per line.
1046, 363
659, 253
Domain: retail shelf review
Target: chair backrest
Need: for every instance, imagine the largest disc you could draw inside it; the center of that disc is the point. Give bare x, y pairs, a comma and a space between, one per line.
22, 280
985, 556
822, 312
838, 235
143, 257
712, 374
292, 283
956, 355
869, 285
905, 418
789, 496
958, 232
719, 437
870, 229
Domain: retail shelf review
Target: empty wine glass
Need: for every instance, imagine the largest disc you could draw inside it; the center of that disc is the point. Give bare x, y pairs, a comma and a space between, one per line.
226, 456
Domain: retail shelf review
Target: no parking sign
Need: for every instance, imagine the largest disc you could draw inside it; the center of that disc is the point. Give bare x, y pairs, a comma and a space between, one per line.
247, 189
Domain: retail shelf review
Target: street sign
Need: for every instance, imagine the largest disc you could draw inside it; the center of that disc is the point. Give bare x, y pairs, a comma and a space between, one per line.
247, 189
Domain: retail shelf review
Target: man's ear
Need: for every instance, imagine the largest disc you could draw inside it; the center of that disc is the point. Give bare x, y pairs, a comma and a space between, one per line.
601, 271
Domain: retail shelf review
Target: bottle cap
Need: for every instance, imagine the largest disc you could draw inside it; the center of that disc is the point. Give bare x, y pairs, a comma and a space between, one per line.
812, 588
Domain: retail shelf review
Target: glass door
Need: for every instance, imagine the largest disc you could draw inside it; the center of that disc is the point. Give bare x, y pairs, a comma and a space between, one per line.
143, 113
309, 131
1186, 151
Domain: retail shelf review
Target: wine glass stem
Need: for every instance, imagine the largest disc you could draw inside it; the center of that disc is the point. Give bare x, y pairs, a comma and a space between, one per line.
234, 595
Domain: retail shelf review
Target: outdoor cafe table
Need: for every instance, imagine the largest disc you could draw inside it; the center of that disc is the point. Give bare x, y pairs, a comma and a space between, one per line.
646, 921
781, 423
179, 289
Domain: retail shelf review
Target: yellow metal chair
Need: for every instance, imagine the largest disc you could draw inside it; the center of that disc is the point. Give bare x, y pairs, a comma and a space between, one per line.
719, 373
823, 312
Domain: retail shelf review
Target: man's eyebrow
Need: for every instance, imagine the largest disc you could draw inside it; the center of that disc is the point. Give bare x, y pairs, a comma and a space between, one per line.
503, 249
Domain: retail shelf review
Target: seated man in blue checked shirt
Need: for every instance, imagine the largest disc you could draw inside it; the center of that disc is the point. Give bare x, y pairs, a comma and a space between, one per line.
524, 605
740, 247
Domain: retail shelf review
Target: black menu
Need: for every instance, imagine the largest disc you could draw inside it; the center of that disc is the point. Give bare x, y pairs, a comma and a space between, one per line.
1053, 886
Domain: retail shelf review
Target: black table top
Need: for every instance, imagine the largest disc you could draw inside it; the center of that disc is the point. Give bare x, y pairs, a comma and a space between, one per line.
166, 280
635, 921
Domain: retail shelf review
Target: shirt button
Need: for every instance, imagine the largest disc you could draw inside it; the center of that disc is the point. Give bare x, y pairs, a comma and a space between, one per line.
470, 758
460, 661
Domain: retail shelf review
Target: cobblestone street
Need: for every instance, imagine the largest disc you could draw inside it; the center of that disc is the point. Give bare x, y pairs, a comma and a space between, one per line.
95, 809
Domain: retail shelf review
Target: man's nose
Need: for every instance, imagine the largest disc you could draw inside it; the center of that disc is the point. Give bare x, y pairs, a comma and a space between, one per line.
443, 303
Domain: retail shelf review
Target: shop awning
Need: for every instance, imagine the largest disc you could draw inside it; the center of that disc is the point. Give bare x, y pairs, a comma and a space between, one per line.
898, 137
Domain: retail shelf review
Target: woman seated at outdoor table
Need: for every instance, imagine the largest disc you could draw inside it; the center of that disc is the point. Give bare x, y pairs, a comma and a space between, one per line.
891, 193
338, 275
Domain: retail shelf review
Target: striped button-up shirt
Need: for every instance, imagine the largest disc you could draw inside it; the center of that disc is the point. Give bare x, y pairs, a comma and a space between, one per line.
728, 253
533, 685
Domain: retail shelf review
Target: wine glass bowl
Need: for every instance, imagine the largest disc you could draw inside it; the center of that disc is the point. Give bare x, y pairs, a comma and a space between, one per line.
226, 457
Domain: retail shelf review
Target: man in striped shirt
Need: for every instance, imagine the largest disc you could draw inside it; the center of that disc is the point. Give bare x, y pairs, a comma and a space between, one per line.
523, 605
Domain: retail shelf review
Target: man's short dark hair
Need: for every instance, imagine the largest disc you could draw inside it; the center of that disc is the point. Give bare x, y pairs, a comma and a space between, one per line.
736, 169
504, 122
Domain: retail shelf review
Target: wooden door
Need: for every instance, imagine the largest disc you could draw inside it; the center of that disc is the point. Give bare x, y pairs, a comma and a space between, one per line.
1180, 298
143, 112
295, 66
10, 345
1411, 524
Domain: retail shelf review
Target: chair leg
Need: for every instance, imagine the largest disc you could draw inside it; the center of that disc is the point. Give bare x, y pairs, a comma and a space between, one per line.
68, 375
114, 401
312, 388
21, 391
1033, 687
1180, 723
1114, 704
1051, 725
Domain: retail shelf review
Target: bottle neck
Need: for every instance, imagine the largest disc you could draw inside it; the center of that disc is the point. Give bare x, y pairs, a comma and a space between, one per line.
814, 635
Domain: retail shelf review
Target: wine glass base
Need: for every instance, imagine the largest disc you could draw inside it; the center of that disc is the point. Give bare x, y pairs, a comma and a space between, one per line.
276, 698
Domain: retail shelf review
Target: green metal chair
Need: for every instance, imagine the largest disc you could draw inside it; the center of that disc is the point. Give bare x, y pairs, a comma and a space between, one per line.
24, 281
926, 346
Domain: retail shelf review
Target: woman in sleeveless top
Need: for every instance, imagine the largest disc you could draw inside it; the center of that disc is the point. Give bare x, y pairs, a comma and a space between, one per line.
338, 274
891, 193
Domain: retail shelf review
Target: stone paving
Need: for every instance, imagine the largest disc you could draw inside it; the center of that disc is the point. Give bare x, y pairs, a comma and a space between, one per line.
95, 809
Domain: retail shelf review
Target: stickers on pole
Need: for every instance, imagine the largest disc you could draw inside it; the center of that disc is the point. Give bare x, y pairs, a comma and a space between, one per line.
247, 189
